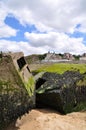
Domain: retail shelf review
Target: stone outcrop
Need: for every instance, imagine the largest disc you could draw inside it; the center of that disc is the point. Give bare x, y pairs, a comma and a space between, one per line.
61, 92
16, 88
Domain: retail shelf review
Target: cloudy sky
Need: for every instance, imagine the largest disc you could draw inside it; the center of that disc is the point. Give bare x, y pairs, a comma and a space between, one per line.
39, 26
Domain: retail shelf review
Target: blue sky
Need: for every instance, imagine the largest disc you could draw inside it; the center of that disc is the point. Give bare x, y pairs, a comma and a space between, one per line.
14, 23
40, 26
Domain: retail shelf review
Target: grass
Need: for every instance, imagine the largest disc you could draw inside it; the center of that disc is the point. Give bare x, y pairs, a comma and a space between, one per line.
62, 67
30, 86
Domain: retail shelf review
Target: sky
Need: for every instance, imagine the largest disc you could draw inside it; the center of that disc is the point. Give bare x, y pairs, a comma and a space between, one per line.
39, 26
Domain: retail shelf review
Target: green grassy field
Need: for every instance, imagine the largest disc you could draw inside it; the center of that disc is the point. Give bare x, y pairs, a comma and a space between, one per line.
62, 67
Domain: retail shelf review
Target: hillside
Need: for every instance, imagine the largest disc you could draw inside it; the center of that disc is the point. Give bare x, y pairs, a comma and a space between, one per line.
35, 58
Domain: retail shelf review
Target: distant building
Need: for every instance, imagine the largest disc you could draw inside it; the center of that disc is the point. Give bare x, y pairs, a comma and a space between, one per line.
53, 57
83, 57
68, 56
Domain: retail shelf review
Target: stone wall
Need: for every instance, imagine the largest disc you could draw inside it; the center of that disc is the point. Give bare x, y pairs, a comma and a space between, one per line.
21, 65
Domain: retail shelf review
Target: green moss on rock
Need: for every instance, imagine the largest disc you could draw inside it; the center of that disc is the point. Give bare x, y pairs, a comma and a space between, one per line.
61, 92
30, 86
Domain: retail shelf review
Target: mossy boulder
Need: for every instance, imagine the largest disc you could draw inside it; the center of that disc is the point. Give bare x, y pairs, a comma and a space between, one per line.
61, 91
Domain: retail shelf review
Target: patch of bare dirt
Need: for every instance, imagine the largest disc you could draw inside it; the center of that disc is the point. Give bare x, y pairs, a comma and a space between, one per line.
50, 120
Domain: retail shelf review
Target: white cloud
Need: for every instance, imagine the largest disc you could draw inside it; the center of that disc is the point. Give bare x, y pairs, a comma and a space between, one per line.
25, 47
53, 17
5, 30
60, 15
3, 13
58, 42
52, 41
